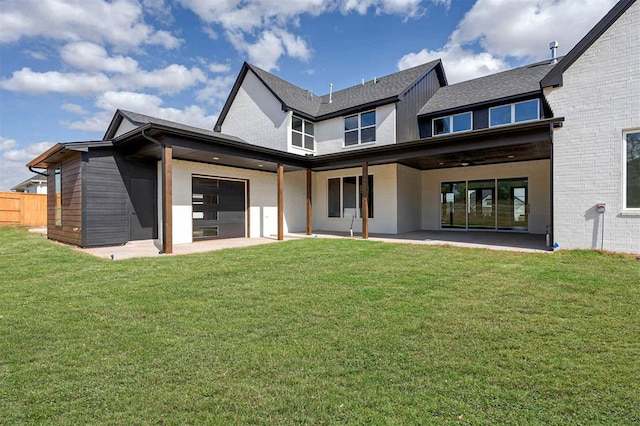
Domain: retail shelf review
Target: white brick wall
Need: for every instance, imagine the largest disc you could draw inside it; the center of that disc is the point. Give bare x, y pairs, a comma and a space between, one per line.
600, 98
257, 117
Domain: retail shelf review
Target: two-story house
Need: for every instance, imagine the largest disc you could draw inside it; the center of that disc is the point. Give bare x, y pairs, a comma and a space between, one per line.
532, 150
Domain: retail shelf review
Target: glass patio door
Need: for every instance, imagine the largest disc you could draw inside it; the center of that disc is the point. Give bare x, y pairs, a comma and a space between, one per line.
513, 204
481, 207
453, 205
497, 204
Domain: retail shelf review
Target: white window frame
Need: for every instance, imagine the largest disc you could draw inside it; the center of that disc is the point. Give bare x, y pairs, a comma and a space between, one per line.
513, 112
633, 210
450, 119
303, 133
359, 129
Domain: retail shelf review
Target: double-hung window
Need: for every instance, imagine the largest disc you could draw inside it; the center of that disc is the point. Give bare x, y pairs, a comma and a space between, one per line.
345, 197
302, 133
452, 124
632, 170
514, 113
360, 128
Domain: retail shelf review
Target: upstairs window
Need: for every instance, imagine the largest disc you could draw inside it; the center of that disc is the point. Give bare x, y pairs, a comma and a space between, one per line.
302, 133
514, 113
452, 124
360, 128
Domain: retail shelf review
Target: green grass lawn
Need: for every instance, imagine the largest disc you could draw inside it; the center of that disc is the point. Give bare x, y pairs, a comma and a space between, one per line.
318, 331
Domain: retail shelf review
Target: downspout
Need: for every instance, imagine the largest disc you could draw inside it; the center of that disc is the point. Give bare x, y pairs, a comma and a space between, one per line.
164, 230
551, 189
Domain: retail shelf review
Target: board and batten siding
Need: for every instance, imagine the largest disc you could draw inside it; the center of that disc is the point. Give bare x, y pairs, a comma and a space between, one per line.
107, 190
106, 214
71, 195
409, 106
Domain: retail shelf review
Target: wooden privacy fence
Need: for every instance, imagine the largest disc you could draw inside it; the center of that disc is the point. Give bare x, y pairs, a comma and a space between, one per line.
18, 208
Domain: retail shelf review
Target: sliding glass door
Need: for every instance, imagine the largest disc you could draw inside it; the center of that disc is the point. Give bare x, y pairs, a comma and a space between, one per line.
513, 204
496, 204
453, 205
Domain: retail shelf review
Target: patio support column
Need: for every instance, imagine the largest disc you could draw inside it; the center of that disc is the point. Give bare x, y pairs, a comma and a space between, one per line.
309, 204
365, 200
280, 202
167, 199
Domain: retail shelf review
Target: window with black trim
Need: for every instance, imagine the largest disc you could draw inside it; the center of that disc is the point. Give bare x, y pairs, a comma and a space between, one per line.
452, 124
302, 133
360, 128
514, 113
345, 196
632, 170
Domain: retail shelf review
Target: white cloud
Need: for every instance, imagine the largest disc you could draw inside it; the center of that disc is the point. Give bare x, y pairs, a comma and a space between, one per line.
261, 29
216, 90
6, 143
89, 56
142, 103
12, 161
74, 108
28, 81
171, 79
459, 64
119, 22
524, 29
270, 46
507, 29
219, 68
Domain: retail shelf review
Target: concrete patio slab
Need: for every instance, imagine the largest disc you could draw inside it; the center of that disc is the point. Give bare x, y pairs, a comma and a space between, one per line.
531, 243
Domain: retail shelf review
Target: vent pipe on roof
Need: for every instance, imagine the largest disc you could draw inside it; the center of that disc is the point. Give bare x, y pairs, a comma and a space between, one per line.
554, 48
330, 92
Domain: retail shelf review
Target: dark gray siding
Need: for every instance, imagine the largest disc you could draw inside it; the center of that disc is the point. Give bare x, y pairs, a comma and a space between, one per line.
410, 103
71, 198
107, 203
481, 118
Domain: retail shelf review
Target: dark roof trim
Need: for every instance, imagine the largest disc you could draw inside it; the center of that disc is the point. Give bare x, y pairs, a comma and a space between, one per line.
492, 102
232, 96
113, 126
230, 146
554, 78
62, 149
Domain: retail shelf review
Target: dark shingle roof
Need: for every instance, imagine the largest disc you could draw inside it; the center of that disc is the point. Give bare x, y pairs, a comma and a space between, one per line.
518, 81
386, 88
141, 119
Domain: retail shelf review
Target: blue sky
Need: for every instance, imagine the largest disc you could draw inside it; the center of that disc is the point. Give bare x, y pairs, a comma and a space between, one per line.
67, 65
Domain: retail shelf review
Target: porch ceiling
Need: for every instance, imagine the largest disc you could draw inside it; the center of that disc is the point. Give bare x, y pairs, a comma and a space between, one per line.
495, 155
